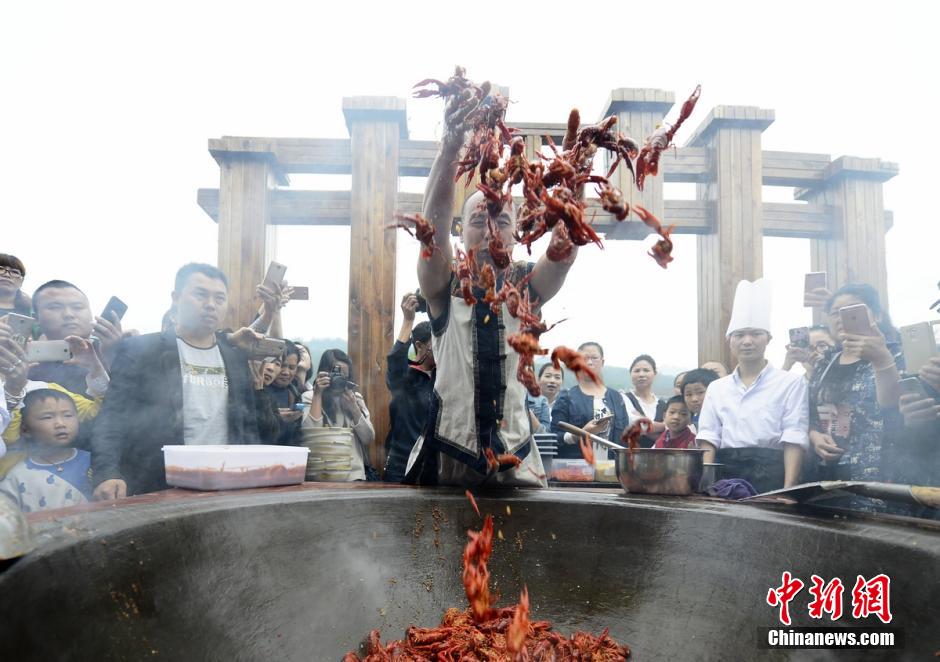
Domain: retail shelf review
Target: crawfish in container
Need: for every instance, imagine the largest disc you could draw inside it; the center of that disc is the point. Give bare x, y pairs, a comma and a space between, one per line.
647, 163
423, 232
574, 361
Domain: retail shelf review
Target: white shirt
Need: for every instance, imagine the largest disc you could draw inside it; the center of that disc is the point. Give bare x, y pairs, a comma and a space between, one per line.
770, 412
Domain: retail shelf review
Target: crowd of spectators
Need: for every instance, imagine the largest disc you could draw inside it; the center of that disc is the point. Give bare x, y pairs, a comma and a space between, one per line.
92, 426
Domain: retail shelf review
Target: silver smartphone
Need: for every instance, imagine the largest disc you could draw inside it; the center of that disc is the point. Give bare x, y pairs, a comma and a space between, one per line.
856, 320
39, 351
22, 325
919, 346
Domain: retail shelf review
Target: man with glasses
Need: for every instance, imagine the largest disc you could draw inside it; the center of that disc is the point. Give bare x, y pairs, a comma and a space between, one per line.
594, 407
12, 273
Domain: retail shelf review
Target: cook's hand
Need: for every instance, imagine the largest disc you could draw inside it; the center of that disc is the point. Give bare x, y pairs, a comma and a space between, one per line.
109, 490
816, 298
871, 348
245, 339
456, 111
930, 373
289, 415
110, 333
409, 306
571, 131
917, 411
824, 446
321, 383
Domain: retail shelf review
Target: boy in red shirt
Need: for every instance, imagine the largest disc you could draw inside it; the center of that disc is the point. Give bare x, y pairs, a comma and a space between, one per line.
677, 433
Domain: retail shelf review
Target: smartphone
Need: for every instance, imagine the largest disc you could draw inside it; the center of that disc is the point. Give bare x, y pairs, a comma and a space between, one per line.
268, 347
114, 308
919, 345
799, 337
300, 294
856, 320
22, 325
912, 386
814, 281
604, 419
275, 276
52, 351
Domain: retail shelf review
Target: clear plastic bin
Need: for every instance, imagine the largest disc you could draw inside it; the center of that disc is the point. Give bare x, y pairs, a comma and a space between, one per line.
571, 471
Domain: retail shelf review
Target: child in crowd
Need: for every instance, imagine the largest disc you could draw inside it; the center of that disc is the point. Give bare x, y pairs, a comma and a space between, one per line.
677, 433
53, 475
694, 384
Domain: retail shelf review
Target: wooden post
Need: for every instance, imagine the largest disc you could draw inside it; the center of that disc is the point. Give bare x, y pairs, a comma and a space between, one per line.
639, 111
733, 251
245, 239
855, 253
376, 124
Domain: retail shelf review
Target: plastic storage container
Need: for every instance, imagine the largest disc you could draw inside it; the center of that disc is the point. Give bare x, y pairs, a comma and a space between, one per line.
234, 467
571, 471
605, 471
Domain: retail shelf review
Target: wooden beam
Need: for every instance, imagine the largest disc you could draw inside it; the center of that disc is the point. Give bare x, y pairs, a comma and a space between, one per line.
244, 249
375, 129
332, 156
733, 252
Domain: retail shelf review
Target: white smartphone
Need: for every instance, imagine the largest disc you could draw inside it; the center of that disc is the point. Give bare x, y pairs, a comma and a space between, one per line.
856, 320
38, 351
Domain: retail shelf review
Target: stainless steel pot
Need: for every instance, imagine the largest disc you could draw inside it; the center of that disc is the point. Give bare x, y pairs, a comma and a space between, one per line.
711, 473
660, 470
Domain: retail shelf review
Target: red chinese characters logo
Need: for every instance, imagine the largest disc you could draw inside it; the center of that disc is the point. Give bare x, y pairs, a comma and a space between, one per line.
827, 598
872, 598
869, 598
781, 596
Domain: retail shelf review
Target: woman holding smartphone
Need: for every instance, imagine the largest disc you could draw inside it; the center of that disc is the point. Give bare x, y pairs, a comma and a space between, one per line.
853, 397
593, 407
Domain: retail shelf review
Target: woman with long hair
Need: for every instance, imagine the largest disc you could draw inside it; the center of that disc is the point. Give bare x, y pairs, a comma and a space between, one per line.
334, 402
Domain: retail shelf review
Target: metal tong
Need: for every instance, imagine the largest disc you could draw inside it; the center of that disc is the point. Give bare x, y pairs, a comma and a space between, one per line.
574, 429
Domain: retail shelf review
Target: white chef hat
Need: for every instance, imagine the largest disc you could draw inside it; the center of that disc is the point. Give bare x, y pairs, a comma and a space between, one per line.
751, 309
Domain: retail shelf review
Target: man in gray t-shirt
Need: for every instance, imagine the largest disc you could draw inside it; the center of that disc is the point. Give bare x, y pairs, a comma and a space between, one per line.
187, 385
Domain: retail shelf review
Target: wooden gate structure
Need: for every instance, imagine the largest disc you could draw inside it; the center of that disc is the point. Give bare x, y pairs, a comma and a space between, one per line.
839, 208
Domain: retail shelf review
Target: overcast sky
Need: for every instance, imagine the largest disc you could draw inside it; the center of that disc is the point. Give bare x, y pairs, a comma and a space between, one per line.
108, 108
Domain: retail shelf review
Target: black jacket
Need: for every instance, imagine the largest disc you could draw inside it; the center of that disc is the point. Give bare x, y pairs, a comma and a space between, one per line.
143, 410
575, 407
408, 411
